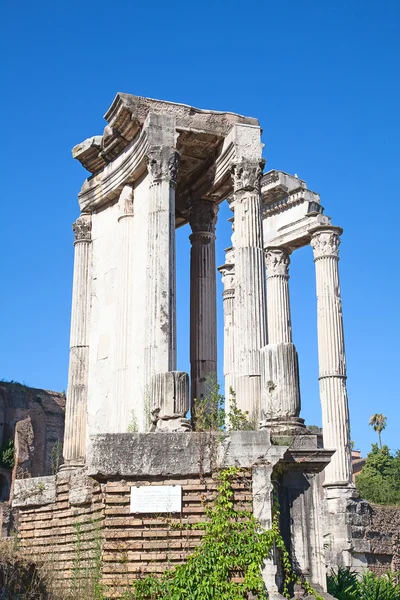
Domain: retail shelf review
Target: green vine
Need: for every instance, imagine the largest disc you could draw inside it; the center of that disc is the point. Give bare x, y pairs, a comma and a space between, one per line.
227, 565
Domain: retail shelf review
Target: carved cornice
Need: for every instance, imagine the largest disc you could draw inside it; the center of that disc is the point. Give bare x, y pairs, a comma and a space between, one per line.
162, 164
82, 228
203, 217
247, 175
326, 242
277, 261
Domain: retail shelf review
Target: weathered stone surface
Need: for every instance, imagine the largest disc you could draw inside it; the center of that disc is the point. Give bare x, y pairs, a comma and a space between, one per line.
45, 412
81, 488
170, 402
173, 453
37, 491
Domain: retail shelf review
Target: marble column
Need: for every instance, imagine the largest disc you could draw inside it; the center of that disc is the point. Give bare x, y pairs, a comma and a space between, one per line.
250, 300
76, 405
203, 303
123, 400
160, 341
331, 354
277, 262
280, 387
228, 280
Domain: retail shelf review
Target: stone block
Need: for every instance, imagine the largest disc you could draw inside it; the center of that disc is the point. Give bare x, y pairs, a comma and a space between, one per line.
170, 402
133, 454
37, 491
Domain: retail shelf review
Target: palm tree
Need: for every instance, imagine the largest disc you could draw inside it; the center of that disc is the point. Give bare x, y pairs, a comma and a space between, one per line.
378, 422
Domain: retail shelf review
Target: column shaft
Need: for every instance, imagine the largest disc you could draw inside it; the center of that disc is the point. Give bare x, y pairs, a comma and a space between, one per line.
124, 403
278, 307
228, 279
331, 354
76, 405
203, 303
160, 344
250, 301
280, 387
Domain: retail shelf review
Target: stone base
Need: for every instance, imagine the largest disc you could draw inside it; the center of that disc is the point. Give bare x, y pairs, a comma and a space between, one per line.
285, 427
90, 508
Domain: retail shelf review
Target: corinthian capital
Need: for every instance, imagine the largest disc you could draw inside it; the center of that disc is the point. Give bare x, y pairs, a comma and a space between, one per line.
277, 261
326, 242
82, 228
247, 175
162, 163
203, 216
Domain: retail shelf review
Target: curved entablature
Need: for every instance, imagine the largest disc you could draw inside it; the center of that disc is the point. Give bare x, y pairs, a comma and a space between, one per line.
208, 143
290, 210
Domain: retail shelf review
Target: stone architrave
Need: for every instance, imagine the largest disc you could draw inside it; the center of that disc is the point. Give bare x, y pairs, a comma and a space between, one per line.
228, 280
280, 387
250, 300
331, 355
160, 318
123, 346
76, 405
203, 301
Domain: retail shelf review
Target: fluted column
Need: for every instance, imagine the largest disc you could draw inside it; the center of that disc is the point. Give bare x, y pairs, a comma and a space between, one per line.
76, 405
280, 386
228, 280
160, 342
250, 301
203, 309
277, 262
331, 354
123, 400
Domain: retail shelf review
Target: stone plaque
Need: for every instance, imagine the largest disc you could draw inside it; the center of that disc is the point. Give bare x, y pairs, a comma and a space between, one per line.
156, 498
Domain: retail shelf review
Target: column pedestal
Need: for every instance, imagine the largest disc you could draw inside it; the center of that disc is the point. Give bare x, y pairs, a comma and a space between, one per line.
280, 386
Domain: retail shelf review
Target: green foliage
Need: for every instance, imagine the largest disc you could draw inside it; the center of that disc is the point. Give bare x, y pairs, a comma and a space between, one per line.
56, 456
344, 585
378, 422
133, 424
233, 544
379, 480
7, 453
210, 414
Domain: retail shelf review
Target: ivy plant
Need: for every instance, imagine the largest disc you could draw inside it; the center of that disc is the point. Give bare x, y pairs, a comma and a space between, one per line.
233, 544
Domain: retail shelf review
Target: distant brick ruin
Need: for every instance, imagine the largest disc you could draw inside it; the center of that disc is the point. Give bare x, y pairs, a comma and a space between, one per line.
33, 419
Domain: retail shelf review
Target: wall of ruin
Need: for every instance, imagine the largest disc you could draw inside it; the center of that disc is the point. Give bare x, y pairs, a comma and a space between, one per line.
383, 538
34, 420
132, 546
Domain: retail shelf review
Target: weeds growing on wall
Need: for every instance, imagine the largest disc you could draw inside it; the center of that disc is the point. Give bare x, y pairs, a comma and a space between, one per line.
344, 585
7, 453
227, 564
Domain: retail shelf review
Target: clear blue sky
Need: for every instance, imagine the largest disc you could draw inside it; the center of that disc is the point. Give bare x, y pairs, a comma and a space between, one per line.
323, 79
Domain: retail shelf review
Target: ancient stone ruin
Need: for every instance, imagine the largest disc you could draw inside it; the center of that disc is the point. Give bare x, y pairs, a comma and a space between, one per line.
157, 166
32, 429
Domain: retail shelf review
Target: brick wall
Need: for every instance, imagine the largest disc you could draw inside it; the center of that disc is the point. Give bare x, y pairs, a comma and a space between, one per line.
132, 545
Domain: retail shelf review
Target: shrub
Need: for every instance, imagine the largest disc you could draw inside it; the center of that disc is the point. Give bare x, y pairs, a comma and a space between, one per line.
344, 585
